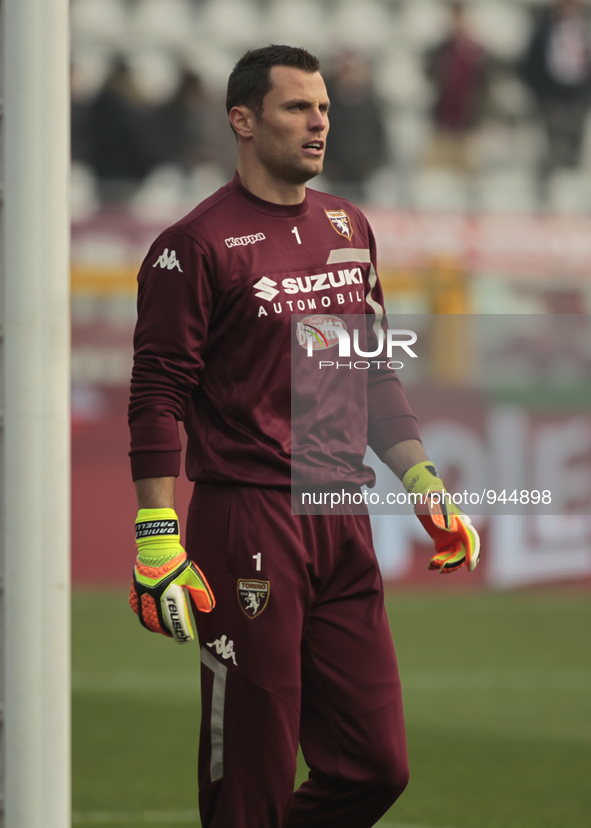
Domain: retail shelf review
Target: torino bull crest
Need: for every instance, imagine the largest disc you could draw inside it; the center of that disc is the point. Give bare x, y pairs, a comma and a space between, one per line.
341, 223
253, 596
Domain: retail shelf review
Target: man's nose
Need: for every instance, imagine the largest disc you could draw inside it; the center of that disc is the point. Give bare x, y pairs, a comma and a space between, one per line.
318, 120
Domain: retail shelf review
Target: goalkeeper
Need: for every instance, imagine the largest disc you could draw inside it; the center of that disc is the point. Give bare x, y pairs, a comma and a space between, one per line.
294, 640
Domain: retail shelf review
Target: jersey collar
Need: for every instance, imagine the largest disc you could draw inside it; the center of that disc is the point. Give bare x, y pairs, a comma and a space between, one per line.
268, 207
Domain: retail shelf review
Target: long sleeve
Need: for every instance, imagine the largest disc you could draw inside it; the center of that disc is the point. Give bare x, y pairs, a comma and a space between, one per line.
390, 418
175, 300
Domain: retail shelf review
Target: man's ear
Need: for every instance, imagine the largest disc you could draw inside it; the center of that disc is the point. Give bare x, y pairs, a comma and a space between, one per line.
242, 119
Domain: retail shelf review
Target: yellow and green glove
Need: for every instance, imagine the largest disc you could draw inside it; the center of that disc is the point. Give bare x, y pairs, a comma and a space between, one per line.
455, 538
162, 573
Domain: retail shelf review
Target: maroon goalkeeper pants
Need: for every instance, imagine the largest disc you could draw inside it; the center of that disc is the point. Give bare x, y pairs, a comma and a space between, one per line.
297, 649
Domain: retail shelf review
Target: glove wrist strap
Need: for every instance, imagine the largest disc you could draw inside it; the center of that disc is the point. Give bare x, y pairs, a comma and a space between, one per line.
422, 477
157, 536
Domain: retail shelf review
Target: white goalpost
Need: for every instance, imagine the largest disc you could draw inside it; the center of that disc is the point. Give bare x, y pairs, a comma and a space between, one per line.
35, 415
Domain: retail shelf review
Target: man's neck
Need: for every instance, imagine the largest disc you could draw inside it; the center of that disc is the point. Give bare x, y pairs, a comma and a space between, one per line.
261, 184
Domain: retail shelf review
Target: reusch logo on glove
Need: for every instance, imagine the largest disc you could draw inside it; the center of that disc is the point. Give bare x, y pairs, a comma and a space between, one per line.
174, 619
156, 528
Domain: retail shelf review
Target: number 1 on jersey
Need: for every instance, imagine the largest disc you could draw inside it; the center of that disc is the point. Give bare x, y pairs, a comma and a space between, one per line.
257, 558
297, 235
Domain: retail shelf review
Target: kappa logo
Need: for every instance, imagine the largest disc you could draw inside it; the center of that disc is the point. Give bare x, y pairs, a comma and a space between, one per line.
243, 240
341, 223
168, 260
253, 596
224, 648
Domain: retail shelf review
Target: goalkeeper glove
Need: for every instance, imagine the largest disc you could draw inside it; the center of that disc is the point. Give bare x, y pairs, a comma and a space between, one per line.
455, 538
161, 573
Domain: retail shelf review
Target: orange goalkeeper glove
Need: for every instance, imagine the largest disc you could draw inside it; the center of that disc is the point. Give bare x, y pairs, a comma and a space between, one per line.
162, 573
455, 538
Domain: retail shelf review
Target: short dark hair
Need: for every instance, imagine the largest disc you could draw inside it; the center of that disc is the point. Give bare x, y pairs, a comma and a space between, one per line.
250, 80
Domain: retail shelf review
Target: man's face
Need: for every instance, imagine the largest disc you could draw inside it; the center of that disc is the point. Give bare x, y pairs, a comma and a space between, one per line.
290, 136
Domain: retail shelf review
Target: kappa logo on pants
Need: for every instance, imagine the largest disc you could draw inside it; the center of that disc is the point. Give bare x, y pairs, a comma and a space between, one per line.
253, 596
224, 648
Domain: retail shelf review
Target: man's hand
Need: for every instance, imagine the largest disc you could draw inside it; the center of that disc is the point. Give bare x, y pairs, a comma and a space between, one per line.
455, 538
161, 573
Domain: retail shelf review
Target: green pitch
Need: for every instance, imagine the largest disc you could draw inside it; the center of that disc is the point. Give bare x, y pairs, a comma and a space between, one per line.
497, 691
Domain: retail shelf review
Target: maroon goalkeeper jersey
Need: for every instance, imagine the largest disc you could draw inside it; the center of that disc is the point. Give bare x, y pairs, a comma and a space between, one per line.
212, 344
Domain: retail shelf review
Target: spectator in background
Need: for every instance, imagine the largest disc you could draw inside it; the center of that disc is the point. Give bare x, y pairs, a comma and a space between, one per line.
122, 149
80, 116
557, 68
458, 69
184, 125
358, 144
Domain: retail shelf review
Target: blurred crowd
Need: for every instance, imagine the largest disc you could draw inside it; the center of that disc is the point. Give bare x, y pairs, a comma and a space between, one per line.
481, 105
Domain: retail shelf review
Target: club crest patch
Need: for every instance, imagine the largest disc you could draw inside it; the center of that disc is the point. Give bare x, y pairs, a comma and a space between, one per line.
341, 223
253, 596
